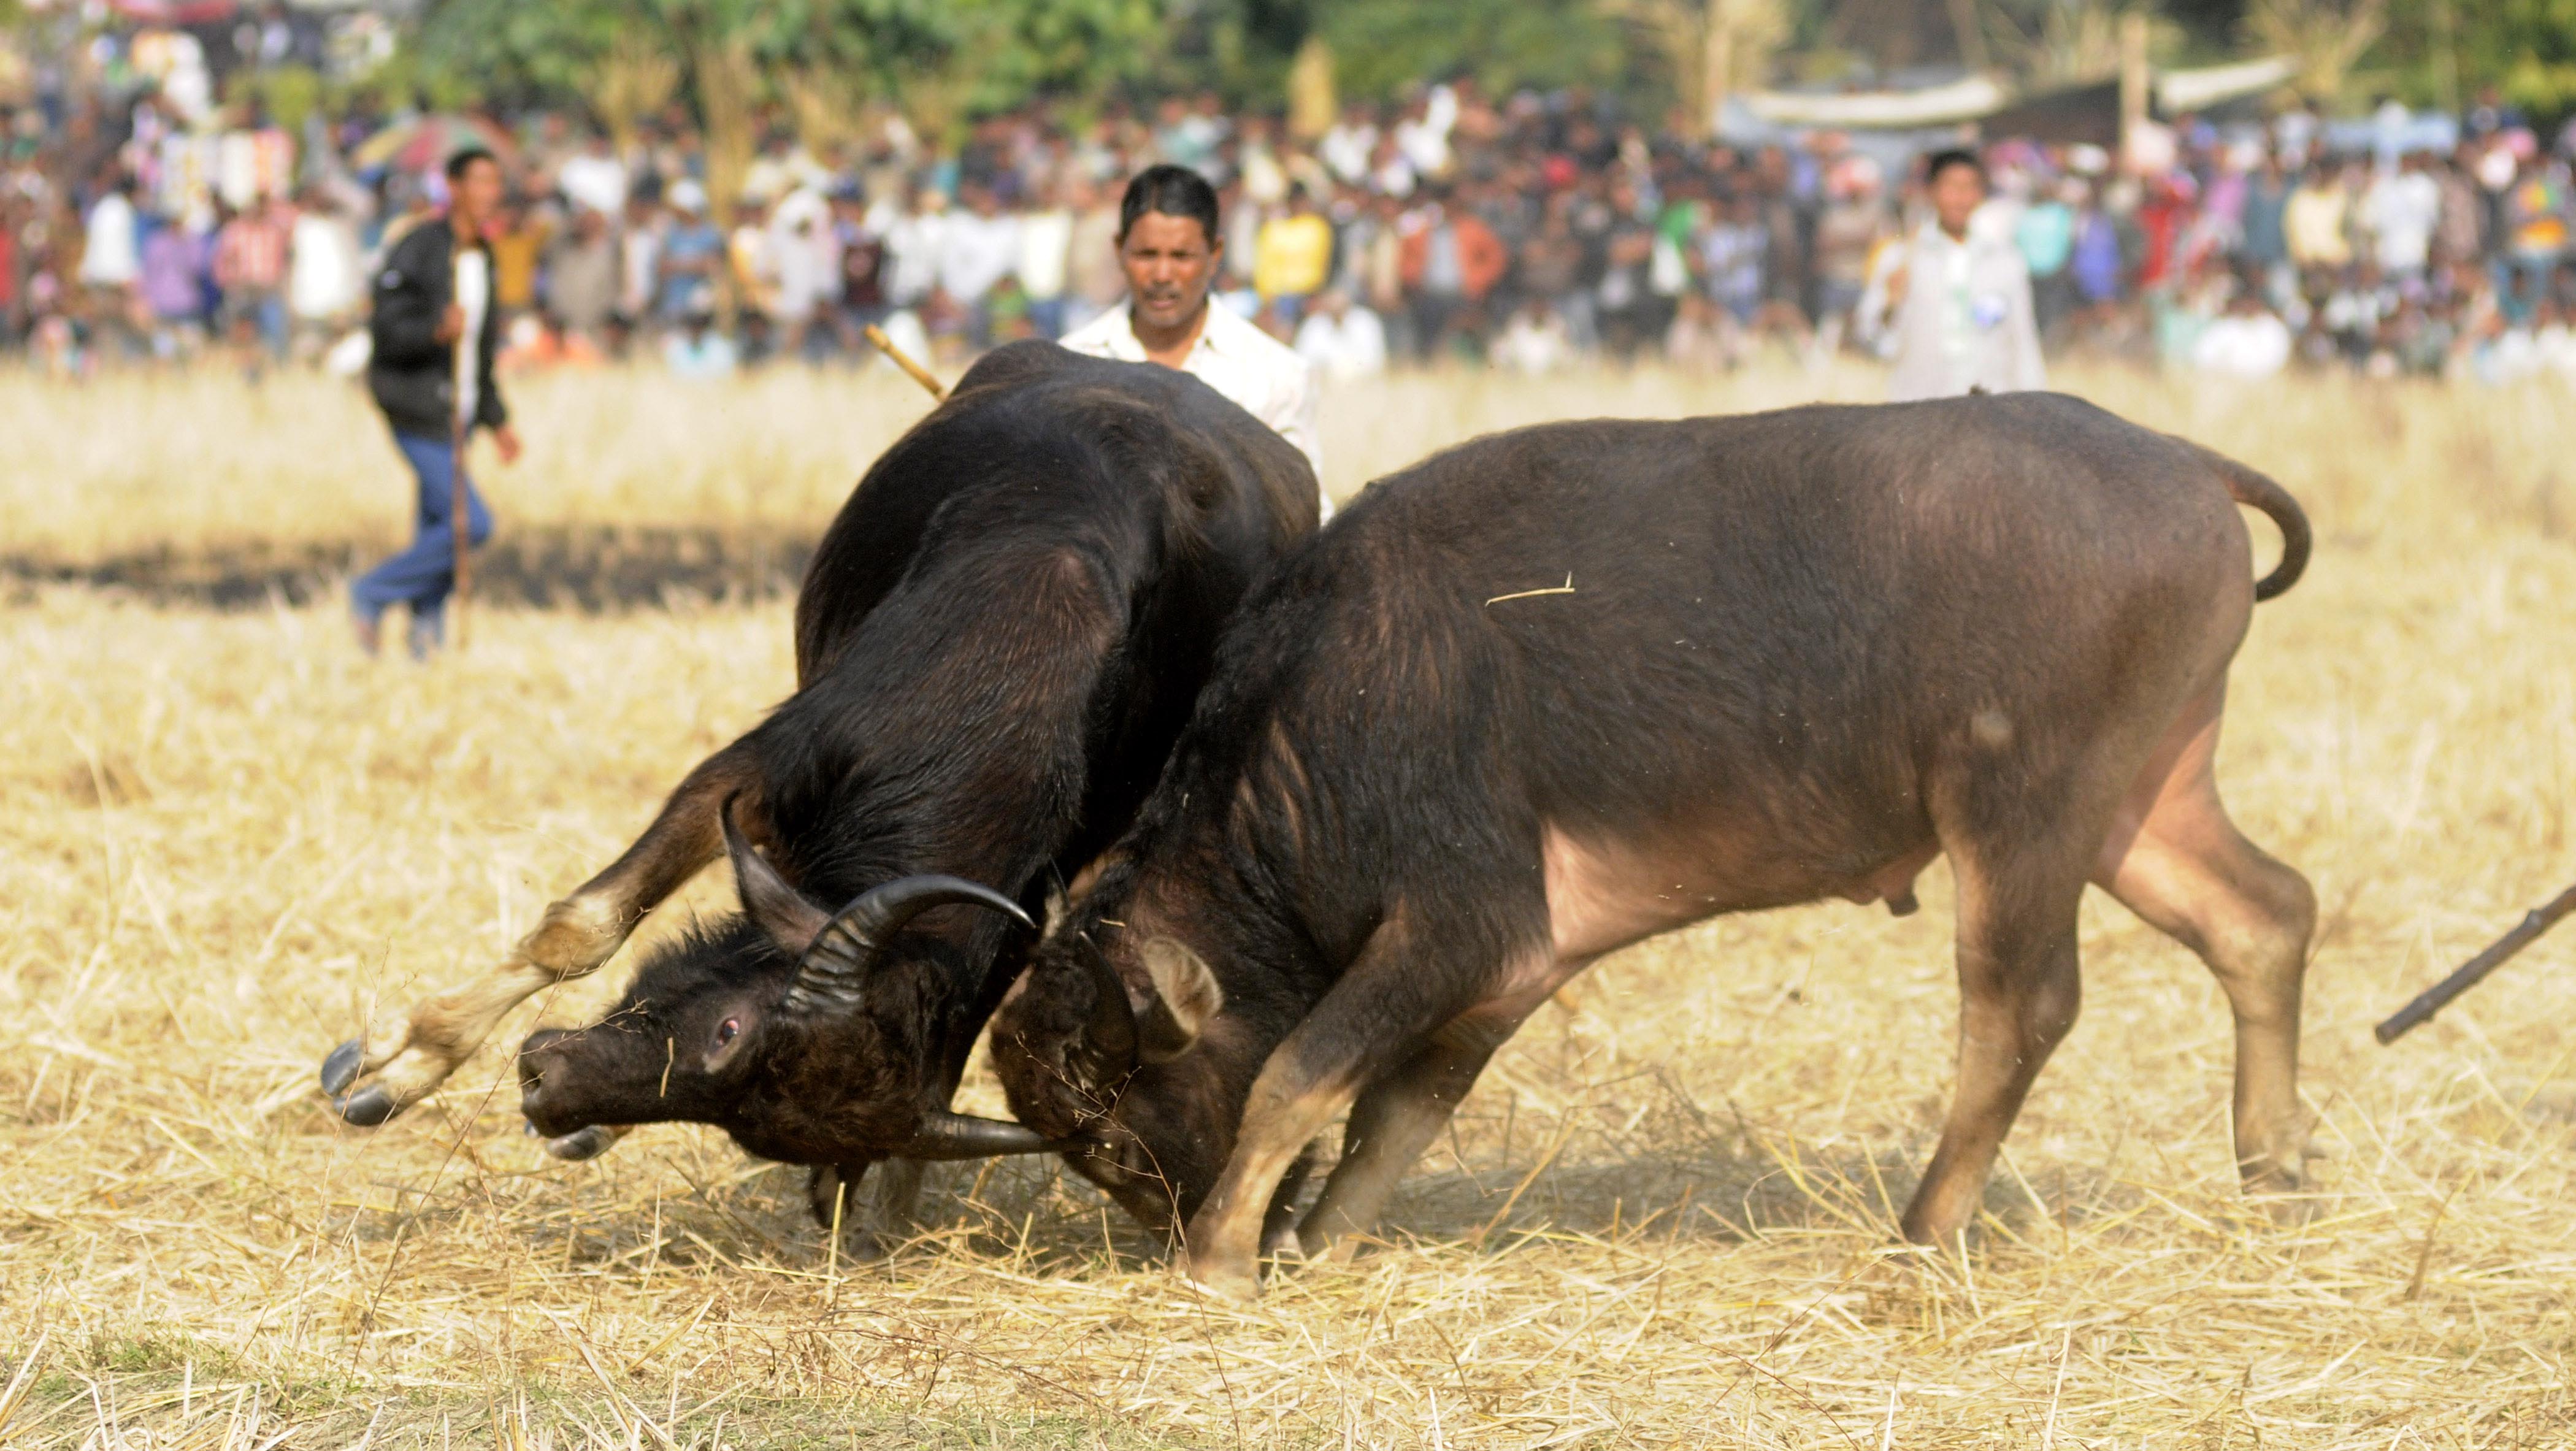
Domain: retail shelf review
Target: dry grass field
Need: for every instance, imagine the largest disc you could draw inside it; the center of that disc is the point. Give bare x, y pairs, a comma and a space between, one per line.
1665, 1218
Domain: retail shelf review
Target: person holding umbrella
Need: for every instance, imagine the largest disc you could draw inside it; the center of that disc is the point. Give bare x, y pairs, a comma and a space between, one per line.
434, 332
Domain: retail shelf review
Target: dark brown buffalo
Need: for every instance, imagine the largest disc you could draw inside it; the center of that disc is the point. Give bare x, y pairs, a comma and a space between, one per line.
996, 644
1564, 688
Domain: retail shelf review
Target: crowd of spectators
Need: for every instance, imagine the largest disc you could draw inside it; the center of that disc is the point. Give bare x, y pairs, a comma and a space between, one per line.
1529, 232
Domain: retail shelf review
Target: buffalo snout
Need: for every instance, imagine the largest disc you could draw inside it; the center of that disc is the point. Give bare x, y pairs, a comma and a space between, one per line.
541, 1056
567, 1136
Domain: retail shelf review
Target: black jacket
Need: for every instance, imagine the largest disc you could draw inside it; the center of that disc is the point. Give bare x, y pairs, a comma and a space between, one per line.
410, 371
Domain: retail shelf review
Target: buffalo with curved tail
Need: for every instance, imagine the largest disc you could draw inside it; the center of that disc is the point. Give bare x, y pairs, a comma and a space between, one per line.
1561, 689
996, 643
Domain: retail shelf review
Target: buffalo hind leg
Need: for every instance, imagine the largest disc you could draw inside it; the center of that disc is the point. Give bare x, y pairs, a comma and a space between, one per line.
1395, 1119
414, 1054
2176, 860
2018, 990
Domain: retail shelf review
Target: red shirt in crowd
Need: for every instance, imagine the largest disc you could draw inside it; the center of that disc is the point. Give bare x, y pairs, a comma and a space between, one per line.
250, 252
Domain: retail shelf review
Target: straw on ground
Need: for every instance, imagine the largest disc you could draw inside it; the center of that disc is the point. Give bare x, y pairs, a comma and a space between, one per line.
1666, 1216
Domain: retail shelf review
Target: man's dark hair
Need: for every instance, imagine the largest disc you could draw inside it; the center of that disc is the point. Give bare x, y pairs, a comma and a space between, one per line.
1942, 161
466, 156
1173, 191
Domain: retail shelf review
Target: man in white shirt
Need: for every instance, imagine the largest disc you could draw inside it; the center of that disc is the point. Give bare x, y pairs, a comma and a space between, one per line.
111, 259
434, 335
1340, 341
1959, 292
594, 177
2401, 209
1169, 246
980, 247
1046, 245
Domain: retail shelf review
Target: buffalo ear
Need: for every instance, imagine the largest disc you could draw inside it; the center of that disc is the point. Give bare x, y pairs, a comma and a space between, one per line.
1186, 995
776, 907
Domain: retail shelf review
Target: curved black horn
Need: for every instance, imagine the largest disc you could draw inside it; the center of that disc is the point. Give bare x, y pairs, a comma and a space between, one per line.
1111, 1033
834, 970
946, 1135
792, 921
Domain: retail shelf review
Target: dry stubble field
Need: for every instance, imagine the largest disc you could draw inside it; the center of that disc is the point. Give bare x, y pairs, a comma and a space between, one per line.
1664, 1219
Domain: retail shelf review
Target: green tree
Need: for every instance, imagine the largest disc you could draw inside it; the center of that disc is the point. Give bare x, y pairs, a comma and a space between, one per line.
2440, 52
1245, 48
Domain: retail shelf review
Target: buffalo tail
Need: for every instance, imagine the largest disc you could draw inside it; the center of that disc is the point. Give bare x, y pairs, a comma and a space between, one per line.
2257, 492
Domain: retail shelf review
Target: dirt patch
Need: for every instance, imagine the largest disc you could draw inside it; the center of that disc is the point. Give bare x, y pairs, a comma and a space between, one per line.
591, 569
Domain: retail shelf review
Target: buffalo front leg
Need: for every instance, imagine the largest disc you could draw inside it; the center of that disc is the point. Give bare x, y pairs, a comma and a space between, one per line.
1395, 1119
2019, 991
873, 1222
412, 1055
1382, 1009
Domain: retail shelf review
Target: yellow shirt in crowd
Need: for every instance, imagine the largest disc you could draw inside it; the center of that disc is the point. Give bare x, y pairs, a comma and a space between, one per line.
1291, 256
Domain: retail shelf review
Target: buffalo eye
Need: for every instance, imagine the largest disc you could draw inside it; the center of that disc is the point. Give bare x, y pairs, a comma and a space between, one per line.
727, 1031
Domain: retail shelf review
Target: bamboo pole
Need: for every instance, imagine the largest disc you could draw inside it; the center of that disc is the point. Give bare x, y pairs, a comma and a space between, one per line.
459, 526
903, 360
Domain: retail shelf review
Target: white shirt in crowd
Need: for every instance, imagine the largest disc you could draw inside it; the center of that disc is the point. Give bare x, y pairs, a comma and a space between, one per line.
977, 252
1257, 372
594, 181
912, 251
111, 259
639, 255
1965, 322
1347, 148
2243, 345
322, 277
474, 296
1342, 348
1046, 253
2401, 209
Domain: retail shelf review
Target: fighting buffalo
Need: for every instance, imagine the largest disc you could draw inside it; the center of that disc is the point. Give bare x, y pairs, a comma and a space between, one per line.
1560, 689
996, 643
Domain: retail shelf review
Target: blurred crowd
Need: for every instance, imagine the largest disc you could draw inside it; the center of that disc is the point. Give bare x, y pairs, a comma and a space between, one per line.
1530, 232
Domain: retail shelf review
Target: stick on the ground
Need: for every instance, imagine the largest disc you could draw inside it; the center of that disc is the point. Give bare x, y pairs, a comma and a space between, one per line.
903, 360
2435, 998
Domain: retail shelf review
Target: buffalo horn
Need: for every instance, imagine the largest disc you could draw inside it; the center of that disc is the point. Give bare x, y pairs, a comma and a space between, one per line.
834, 970
1112, 1030
778, 908
947, 1135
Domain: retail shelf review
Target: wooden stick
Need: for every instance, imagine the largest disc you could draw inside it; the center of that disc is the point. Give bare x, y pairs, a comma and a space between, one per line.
463, 530
903, 360
2433, 999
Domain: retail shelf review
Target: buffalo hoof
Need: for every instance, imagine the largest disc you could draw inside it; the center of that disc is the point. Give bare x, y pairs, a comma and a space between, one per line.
1903, 904
582, 1144
341, 1068
1232, 1284
365, 1108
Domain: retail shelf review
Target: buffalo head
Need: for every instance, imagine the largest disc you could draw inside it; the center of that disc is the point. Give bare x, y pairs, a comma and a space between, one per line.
1122, 1043
788, 1027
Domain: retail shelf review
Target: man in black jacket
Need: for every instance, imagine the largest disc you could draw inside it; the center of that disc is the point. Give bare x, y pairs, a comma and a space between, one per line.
434, 333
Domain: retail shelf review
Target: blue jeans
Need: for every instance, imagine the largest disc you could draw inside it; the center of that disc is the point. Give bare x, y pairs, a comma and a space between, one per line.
422, 575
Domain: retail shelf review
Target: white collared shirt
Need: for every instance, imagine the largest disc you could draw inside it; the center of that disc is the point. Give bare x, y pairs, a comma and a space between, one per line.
1966, 321
1258, 373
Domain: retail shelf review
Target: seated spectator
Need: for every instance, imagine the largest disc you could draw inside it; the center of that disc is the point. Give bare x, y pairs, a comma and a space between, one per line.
581, 277
1703, 338
2553, 343
1341, 341
698, 352
2249, 340
1534, 341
